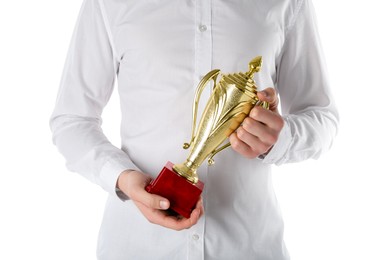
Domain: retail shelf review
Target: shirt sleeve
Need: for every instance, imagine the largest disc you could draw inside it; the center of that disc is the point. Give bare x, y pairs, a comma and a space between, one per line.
308, 108
85, 89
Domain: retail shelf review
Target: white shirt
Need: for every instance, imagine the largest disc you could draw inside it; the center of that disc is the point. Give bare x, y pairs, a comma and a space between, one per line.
158, 51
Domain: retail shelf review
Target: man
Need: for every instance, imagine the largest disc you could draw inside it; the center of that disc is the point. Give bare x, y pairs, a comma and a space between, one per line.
158, 51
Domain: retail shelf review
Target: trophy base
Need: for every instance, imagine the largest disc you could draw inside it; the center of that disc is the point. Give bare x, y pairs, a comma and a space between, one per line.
182, 194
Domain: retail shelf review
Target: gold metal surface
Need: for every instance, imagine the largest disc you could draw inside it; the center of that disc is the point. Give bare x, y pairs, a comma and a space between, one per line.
232, 99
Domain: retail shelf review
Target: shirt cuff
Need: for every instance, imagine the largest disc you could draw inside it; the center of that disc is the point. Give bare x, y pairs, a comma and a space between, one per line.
110, 173
277, 155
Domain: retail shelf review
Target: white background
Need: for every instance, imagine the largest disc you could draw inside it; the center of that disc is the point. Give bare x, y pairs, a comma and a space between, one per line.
336, 208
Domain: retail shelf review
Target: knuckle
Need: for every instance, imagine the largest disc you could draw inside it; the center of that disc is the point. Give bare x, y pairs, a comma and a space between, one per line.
240, 133
272, 92
180, 228
235, 146
256, 151
248, 123
149, 203
255, 112
279, 122
272, 139
251, 155
260, 149
151, 220
152, 202
234, 143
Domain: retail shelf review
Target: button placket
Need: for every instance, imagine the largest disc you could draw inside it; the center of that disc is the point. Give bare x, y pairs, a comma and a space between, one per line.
203, 60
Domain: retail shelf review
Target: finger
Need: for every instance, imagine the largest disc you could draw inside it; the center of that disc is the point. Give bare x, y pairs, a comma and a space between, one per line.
161, 218
151, 200
269, 95
194, 217
181, 222
267, 117
247, 137
257, 146
256, 134
199, 205
241, 147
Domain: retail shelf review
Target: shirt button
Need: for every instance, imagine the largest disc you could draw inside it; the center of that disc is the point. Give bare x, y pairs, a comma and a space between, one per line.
195, 237
202, 27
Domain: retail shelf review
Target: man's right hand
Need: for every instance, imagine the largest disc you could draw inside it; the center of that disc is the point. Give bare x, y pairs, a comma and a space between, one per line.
152, 206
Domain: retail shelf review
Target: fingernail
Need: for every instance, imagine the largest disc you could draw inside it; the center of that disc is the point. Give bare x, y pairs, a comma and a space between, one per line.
264, 93
164, 204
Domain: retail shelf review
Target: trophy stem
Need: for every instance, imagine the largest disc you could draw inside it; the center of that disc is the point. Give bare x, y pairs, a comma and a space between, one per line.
187, 170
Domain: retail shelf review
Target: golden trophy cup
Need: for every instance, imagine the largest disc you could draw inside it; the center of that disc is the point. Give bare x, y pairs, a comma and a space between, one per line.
232, 99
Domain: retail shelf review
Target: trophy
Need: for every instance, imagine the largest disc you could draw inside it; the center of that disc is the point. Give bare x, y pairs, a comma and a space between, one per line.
232, 99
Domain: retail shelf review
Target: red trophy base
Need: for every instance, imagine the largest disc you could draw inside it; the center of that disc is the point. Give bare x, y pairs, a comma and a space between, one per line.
182, 194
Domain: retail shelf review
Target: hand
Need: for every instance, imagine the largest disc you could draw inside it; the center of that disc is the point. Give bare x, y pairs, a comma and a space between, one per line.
152, 206
260, 130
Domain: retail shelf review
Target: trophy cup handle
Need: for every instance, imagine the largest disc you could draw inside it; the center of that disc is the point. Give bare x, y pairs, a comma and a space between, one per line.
212, 75
263, 104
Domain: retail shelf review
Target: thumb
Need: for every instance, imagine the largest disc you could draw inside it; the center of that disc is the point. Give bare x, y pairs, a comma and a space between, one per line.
151, 200
269, 95
135, 184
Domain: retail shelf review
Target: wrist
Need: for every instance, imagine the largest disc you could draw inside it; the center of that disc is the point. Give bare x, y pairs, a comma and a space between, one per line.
122, 184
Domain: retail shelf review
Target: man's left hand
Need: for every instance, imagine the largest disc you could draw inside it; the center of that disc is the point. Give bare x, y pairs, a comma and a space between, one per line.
260, 130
